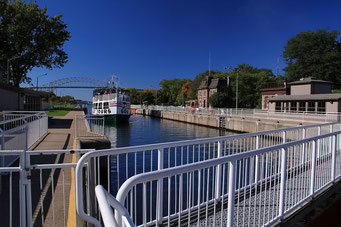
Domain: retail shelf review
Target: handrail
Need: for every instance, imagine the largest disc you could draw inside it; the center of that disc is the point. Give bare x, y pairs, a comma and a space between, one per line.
160, 146
122, 150
161, 174
105, 202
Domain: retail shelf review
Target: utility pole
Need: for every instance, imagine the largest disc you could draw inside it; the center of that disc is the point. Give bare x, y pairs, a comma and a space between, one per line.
237, 90
40, 76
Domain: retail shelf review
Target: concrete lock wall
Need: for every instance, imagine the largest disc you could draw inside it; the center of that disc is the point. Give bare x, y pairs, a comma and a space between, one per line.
237, 124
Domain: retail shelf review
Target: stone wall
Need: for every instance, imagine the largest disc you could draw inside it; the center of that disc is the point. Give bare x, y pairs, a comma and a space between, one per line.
237, 124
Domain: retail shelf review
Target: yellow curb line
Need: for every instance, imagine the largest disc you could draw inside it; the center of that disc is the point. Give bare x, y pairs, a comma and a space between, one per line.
71, 218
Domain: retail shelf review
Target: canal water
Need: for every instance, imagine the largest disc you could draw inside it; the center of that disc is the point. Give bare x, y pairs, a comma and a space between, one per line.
143, 130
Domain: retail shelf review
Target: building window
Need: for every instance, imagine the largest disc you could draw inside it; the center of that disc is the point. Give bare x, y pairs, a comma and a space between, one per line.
311, 106
293, 106
321, 107
278, 106
302, 107
286, 106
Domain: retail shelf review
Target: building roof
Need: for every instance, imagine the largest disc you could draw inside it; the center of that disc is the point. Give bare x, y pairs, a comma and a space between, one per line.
27, 91
212, 83
309, 80
315, 97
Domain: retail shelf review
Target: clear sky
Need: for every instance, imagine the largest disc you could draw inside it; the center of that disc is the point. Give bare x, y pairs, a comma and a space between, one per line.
145, 41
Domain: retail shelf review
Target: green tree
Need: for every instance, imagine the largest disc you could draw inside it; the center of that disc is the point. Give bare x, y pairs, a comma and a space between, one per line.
314, 54
250, 81
172, 91
30, 38
220, 100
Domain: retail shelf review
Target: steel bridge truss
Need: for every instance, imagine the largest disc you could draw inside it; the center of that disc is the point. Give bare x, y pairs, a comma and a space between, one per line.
73, 82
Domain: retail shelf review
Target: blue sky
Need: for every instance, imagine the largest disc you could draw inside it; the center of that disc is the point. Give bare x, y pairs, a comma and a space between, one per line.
145, 41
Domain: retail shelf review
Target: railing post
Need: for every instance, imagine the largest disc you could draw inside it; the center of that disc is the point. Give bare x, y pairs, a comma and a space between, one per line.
313, 167
283, 182
218, 173
304, 134
232, 176
2, 133
159, 196
257, 161
333, 151
22, 191
28, 190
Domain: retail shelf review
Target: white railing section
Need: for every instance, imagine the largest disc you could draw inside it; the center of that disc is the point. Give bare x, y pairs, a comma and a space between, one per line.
105, 202
127, 162
223, 192
28, 189
89, 126
20, 130
250, 113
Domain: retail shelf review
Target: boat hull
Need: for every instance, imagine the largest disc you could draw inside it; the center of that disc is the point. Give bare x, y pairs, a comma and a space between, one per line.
116, 118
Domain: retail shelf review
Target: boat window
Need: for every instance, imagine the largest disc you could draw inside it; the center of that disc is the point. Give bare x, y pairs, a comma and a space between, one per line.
100, 105
105, 105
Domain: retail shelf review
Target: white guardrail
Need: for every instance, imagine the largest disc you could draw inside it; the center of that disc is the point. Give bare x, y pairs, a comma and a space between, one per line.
19, 130
88, 126
258, 174
251, 113
189, 182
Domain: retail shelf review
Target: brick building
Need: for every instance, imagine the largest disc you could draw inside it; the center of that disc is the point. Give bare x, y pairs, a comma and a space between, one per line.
208, 87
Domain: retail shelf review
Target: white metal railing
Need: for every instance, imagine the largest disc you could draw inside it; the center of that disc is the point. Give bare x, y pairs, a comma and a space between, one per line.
251, 113
222, 192
28, 189
130, 161
20, 130
87, 125
111, 168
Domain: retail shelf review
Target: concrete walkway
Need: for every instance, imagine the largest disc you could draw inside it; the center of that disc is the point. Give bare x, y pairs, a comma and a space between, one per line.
51, 208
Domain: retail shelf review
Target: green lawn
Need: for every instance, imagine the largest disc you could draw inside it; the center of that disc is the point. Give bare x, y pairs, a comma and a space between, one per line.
54, 112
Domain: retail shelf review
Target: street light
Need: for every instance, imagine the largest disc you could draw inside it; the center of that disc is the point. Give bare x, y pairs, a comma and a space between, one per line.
40, 76
8, 60
236, 86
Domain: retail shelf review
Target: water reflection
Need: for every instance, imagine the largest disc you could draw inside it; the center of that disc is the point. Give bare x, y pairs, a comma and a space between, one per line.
146, 130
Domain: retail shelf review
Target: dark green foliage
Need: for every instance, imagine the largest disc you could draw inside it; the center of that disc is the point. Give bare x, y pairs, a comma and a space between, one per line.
31, 38
172, 91
314, 54
220, 100
250, 81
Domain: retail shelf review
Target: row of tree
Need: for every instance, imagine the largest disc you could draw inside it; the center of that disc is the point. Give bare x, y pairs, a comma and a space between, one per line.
30, 38
314, 54
178, 91
50, 98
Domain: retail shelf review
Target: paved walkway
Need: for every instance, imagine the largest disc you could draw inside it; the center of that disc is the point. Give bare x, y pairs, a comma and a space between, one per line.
54, 201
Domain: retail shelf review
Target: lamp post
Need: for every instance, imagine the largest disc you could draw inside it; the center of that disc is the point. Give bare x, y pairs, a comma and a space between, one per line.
8, 61
40, 76
237, 90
